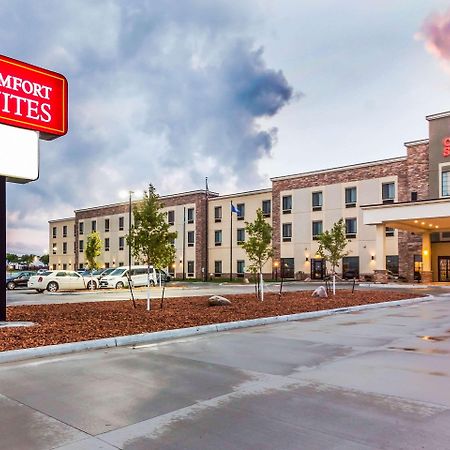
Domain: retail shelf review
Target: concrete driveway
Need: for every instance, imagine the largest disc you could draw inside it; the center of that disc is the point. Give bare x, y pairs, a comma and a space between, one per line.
378, 379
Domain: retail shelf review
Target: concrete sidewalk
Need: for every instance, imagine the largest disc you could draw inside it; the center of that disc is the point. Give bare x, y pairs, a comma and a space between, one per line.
366, 380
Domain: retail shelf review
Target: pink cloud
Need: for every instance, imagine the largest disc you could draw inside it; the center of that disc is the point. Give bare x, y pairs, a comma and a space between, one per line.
436, 34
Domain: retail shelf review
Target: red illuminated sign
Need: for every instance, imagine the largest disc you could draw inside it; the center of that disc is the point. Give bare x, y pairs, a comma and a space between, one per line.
33, 98
446, 146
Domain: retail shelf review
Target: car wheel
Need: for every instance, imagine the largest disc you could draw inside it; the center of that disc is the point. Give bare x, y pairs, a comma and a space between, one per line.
11, 285
92, 285
120, 285
52, 286
39, 291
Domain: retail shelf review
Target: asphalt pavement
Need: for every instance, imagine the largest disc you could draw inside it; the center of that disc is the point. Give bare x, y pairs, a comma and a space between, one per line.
377, 379
173, 290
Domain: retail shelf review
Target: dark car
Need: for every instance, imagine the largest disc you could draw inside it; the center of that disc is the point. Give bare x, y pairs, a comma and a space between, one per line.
165, 277
18, 280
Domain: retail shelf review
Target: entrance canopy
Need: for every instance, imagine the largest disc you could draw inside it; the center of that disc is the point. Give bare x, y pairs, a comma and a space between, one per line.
418, 217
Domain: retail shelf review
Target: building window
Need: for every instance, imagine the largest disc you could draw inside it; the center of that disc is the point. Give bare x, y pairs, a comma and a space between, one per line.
350, 228
190, 215
120, 263
54, 249
106, 244
190, 238
190, 268
106, 265
81, 228
218, 238
287, 232
64, 266
121, 223
317, 200
390, 232
286, 204
445, 181
414, 196
240, 235
392, 264
64, 248
106, 225
54, 232
64, 231
388, 192
217, 214
350, 197
171, 217
241, 208
266, 208
80, 266
317, 229
240, 267
121, 243
350, 267
217, 268
94, 226
54, 266
81, 246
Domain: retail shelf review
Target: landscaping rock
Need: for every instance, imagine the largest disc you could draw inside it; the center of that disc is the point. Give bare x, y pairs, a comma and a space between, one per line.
217, 300
320, 292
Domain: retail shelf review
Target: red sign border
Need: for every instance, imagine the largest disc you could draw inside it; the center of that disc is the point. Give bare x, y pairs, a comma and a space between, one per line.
50, 132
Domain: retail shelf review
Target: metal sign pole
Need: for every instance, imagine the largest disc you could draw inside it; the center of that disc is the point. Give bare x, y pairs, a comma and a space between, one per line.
3, 247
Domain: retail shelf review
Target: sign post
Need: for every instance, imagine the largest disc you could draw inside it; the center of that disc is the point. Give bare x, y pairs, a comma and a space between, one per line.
33, 106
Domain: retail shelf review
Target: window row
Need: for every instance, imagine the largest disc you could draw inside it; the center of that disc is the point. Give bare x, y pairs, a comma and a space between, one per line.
190, 214
240, 237
266, 207
240, 268
317, 229
387, 196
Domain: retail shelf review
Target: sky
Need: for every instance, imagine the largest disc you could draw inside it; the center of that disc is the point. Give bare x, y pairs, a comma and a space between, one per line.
171, 92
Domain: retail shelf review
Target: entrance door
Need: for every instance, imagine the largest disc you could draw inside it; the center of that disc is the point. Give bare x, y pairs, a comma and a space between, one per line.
444, 268
317, 269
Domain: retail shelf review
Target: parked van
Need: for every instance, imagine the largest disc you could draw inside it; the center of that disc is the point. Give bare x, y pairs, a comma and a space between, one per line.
118, 278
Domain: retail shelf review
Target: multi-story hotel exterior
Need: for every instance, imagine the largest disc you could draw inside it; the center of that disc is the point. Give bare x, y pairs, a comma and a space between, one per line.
396, 211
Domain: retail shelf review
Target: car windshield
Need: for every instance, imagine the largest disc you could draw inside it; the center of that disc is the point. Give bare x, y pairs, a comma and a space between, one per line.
97, 272
108, 271
117, 272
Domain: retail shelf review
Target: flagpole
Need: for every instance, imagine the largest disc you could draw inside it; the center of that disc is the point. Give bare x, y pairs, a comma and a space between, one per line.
231, 240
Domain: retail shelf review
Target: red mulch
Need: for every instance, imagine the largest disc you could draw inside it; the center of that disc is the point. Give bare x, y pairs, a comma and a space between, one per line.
60, 323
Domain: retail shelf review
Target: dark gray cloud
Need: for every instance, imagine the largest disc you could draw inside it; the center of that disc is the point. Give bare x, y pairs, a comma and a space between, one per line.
163, 92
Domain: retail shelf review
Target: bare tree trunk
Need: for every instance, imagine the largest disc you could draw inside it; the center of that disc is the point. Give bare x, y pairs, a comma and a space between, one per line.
162, 294
131, 289
149, 306
281, 286
262, 285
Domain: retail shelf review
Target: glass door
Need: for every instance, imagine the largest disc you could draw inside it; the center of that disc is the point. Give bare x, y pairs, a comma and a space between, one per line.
317, 269
444, 268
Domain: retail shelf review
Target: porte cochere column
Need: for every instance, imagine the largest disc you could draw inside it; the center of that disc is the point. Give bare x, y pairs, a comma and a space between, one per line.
380, 274
426, 274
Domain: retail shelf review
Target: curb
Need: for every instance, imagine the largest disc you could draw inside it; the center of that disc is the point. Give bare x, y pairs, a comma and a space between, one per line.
158, 336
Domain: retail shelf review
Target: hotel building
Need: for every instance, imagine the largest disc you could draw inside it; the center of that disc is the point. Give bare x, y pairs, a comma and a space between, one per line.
396, 212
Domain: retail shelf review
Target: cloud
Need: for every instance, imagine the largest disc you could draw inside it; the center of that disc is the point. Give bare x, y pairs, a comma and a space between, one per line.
435, 33
156, 89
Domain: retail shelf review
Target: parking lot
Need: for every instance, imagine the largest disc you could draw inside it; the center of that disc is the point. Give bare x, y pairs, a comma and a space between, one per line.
368, 380
25, 296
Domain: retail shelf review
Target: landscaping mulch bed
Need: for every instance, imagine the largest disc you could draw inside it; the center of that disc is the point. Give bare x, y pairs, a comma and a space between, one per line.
61, 323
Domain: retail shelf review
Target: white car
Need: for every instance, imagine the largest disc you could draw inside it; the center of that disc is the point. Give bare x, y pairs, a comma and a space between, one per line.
119, 278
55, 280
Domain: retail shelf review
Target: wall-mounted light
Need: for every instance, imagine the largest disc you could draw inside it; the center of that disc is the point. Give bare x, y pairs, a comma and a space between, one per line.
425, 253
306, 259
372, 257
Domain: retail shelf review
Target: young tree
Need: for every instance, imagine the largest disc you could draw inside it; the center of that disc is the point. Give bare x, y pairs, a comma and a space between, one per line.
332, 245
150, 237
93, 250
258, 247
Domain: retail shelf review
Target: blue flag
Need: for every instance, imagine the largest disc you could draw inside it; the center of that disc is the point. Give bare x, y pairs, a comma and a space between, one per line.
234, 209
